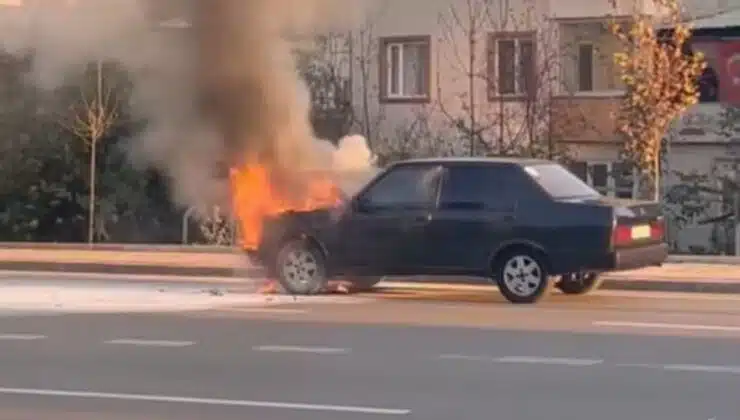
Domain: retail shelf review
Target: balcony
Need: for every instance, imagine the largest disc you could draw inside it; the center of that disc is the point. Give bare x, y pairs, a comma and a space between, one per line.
585, 118
587, 9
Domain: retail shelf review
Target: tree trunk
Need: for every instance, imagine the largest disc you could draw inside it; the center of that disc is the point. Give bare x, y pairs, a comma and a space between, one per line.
92, 200
656, 178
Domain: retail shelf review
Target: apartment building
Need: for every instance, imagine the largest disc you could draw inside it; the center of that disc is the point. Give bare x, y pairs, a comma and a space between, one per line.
535, 69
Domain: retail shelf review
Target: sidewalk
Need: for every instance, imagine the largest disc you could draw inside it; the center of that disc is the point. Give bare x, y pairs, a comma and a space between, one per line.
685, 277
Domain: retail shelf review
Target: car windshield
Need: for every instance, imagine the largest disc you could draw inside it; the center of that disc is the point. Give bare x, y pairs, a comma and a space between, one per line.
559, 182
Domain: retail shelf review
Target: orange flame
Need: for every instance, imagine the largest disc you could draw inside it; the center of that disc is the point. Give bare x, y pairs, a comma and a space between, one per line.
256, 198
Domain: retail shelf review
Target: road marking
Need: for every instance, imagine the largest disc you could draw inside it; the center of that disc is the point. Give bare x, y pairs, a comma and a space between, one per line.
550, 361
301, 349
205, 401
659, 325
268, 310
524, 359
466, 357
150, 343
703, 368
23, 337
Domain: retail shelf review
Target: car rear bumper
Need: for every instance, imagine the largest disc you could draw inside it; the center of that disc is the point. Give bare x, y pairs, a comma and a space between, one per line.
641, 257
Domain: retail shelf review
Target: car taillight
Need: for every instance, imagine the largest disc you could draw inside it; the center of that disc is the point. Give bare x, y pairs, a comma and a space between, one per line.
621, 235
657, 230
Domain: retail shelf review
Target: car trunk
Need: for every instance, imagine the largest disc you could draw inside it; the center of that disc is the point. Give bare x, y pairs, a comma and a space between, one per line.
636, 223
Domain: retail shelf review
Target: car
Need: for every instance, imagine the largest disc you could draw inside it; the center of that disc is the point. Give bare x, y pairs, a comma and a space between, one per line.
525, 225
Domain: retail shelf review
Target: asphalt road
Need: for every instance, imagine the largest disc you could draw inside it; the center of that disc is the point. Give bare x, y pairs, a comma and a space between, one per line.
607, 357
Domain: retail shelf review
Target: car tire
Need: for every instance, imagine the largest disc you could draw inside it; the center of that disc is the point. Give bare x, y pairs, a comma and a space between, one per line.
300, 267
579, 283
522, 276
364, 283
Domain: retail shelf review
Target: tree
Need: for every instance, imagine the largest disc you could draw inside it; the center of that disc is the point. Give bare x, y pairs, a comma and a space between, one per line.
325, 67
91, 114
493, 124
660, 75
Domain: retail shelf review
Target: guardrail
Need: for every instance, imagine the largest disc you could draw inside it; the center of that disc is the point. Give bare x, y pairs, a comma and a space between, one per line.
215, 249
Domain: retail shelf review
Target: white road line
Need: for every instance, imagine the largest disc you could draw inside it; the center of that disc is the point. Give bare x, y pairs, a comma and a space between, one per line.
150, 343
524, 359
703, 368
658, 325
301, 349
269, 310
550, 361
22, 337
466, 357
205, 401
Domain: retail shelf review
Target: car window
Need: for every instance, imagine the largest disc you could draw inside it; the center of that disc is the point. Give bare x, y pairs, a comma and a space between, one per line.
485, 187
404, 187
559, 182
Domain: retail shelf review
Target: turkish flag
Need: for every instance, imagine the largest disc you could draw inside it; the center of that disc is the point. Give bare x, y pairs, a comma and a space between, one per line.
728, 71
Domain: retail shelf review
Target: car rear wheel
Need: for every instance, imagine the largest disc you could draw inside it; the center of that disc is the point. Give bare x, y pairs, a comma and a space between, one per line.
522, 277
300, 268
579, 283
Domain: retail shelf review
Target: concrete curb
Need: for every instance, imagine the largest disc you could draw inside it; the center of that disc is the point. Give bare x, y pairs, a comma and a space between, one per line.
215, 249
231, 275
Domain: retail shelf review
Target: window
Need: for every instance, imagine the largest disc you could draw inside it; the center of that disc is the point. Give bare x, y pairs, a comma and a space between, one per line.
405, 68
470, 187
612, 179
513, 67
585, 68
708, 86
406, 187
559, 182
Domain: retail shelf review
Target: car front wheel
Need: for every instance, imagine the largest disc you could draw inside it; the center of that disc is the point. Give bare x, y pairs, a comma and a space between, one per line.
579, 283
522, 277
300, 268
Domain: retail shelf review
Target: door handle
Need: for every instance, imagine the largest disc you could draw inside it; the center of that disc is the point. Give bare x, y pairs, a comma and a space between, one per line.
420, 220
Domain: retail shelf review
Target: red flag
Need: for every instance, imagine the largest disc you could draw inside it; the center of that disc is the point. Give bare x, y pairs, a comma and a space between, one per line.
728, 71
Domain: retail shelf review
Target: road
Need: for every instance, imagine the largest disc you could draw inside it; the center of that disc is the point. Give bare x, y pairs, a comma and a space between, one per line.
392, 354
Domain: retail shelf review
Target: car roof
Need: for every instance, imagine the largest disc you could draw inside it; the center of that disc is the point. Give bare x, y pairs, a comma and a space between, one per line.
474, 160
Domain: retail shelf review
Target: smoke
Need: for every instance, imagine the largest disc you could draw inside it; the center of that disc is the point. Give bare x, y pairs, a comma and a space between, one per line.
225, 90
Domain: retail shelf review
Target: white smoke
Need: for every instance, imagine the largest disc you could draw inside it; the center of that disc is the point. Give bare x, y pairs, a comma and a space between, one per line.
217, 92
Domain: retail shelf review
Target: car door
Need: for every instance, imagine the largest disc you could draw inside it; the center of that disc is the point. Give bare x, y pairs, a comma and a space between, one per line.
385, 225
476, 212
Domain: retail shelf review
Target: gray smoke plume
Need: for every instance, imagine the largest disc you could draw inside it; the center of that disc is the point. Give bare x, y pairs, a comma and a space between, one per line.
223, 91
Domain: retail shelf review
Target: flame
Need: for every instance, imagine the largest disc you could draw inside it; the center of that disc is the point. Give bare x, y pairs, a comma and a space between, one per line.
256, 198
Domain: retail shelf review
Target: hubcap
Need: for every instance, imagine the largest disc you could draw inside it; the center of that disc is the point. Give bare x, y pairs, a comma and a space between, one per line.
522, 275
300, 268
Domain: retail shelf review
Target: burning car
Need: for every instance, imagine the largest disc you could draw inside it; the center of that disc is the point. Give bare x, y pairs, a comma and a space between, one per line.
524, 225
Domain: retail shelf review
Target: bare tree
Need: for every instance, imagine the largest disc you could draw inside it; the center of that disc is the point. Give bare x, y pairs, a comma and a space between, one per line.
493, 124
364, 56
660, 74
326, 68
90, 117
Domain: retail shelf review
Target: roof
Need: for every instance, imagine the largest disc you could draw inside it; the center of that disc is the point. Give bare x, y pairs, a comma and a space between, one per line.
726, 19
513, 160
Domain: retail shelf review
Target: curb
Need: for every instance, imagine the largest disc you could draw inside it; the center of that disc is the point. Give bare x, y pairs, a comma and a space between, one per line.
228, 275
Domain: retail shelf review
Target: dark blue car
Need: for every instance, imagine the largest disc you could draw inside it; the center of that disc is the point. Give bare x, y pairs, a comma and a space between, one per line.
526, 225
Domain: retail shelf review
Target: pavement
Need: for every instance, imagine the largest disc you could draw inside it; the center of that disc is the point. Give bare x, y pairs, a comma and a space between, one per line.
232, 267
413, 352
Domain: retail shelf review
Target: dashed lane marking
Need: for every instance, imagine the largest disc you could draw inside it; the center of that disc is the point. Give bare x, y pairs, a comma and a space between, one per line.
22, 337
301, 349
525, 360
150, 343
